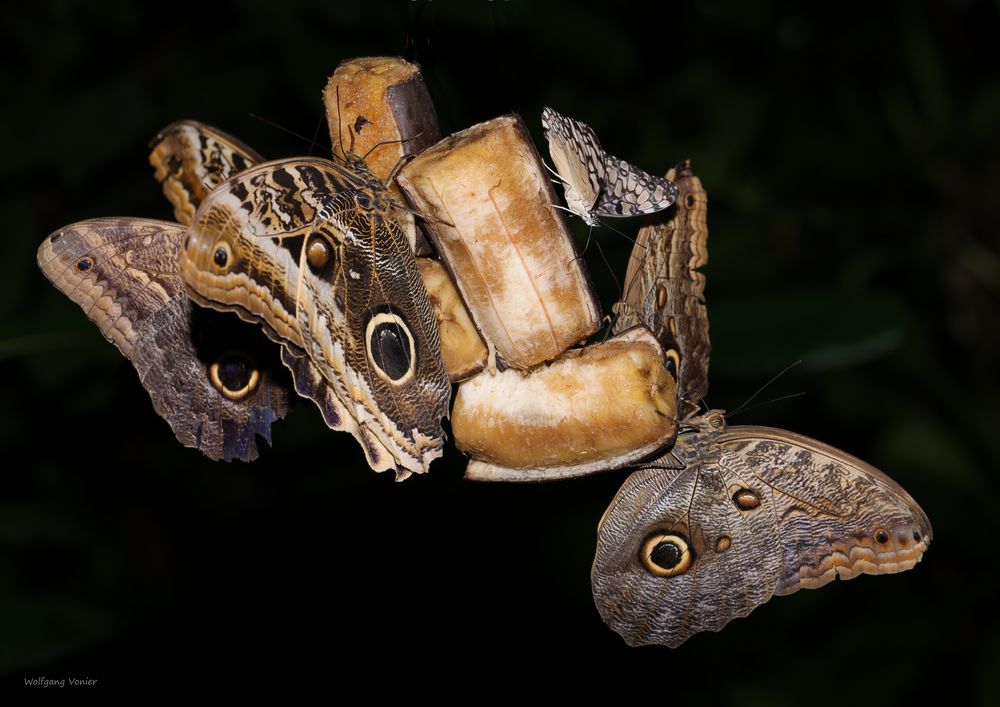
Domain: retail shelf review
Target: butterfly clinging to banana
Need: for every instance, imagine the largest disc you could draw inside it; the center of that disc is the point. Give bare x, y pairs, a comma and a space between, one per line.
596, 183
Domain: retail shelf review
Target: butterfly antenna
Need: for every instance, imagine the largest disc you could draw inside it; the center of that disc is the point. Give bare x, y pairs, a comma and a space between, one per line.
312, 143
614, 277
740, 410
624, 235
401, 141
315, 140
745, 405
586, 245
340, 127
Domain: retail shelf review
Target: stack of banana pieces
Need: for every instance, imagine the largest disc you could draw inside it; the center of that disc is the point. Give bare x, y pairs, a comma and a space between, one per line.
409, 278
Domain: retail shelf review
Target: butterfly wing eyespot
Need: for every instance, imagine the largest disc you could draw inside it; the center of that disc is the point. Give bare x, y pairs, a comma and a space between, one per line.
661, 296
318, 252
390, 346
222, 256
666, 554
234, 374
746, 499
880, 536
84, 264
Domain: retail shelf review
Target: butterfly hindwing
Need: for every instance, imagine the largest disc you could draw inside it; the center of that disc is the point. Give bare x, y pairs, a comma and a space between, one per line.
732, 517
212, 379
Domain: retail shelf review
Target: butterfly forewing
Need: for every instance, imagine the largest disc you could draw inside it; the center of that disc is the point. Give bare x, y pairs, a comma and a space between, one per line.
191, 159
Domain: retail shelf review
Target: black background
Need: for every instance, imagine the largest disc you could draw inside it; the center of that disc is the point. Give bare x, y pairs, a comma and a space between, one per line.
851, 161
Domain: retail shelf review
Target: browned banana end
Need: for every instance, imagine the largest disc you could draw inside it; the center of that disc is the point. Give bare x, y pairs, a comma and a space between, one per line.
599, 407
383, 112
510, 252
462, 348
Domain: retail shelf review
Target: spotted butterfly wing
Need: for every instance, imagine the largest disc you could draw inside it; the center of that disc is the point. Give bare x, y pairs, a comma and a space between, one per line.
311, 250
596, 183
733, 516
191, 159
211, 377
665, 291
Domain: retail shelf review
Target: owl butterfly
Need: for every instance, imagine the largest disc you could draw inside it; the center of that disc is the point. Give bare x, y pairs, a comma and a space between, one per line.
311, 250
213, 378
596, 183
730, 516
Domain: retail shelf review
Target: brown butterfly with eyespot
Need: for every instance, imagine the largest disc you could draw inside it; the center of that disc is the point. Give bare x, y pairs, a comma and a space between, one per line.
211, 377
329, 276
730, 516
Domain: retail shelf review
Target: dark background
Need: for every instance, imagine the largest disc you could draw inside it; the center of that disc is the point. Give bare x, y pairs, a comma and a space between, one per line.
851, 159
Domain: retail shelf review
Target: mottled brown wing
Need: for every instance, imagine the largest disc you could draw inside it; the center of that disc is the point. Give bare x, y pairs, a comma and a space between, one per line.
665, 291
209, 375
311, 250
193, 158
730, 518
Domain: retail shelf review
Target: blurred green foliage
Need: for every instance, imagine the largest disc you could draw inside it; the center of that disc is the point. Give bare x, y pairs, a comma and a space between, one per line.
851, 158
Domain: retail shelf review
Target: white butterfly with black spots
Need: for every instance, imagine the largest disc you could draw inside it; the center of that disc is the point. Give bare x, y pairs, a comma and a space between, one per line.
596, 183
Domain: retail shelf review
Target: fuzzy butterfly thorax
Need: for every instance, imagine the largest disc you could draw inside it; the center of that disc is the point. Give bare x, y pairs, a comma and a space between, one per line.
311, 249
596, 183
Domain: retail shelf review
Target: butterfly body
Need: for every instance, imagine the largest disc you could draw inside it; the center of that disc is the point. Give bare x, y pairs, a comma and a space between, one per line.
596, 183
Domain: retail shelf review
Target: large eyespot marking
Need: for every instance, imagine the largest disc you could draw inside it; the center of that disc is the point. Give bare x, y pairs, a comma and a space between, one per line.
723, 543
221, 256
746, 499
689, 201
880, 536
390, 346
234, 374
666, 554
317, 252
84, 264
